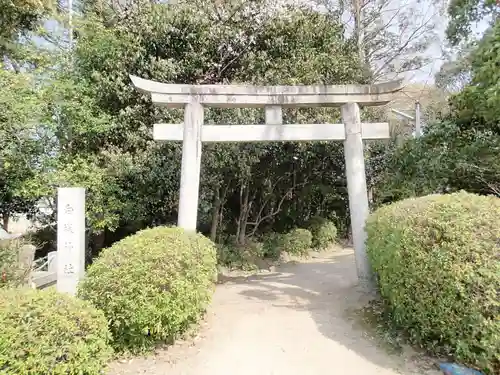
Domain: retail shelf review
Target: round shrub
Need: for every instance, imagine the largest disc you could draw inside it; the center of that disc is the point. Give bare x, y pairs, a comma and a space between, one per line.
323, 231
437, 260
244, 256
272, 243
152, 286
43, 332
297, 241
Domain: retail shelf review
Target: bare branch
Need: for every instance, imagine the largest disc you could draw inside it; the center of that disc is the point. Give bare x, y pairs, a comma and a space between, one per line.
274, 212
264, 204
412, 37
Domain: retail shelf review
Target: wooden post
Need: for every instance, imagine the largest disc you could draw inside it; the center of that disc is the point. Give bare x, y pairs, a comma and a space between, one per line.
52, 260
274, 115
70, 238
418, 125
191, 164
356, 187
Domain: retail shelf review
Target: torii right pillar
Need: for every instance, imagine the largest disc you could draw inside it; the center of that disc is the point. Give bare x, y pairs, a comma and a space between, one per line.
356, 188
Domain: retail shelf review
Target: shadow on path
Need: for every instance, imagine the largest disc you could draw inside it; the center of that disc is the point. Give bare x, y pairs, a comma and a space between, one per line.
326, 287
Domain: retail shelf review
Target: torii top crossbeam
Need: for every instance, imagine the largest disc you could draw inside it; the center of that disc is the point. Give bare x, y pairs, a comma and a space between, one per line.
231, 96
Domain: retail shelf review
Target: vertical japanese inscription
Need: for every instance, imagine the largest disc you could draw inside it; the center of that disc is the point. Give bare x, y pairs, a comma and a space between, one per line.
68, 247
70, 238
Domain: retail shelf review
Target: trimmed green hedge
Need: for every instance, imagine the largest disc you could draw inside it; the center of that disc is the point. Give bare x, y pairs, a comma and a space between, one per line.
297, 241
43, 332
437, 260
152, 286
324, 232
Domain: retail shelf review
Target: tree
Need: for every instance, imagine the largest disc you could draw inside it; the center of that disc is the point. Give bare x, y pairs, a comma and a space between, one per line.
391, 37
455, 73
464, 13
460, 151
478, 104
21, 147
18, 19
245, 188
446, 159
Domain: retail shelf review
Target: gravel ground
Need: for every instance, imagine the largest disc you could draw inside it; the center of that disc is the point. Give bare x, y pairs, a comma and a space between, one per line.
302, 319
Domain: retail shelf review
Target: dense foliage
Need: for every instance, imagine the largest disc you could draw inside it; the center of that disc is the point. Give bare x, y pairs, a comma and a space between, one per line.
18, 18
272, 244
13, 271
323, 231
477, 105
459, 152
100, 127
247, 256
446, 159
21, 146
152, 286
297, 241
464, 14
47, 333
437, 264
245, 187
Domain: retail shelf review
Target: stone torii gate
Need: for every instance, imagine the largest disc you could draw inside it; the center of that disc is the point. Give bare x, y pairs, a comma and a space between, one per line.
192, 133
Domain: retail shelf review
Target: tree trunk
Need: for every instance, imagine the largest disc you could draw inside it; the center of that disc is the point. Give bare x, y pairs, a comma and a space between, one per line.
243, 218
243, 231
359, 30
5, 221
370, 197
99, 239
215, 215
221, 210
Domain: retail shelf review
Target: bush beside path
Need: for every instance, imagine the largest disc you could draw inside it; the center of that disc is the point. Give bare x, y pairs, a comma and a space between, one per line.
301, 319
438, 269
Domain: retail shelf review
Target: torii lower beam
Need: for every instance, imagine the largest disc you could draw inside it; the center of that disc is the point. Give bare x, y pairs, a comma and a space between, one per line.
192, 133
270, 133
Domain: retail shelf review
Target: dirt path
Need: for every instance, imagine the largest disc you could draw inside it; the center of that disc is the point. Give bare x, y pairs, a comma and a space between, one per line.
299, 320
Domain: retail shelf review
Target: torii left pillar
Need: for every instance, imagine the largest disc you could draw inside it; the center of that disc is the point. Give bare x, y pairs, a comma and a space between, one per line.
191, 166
